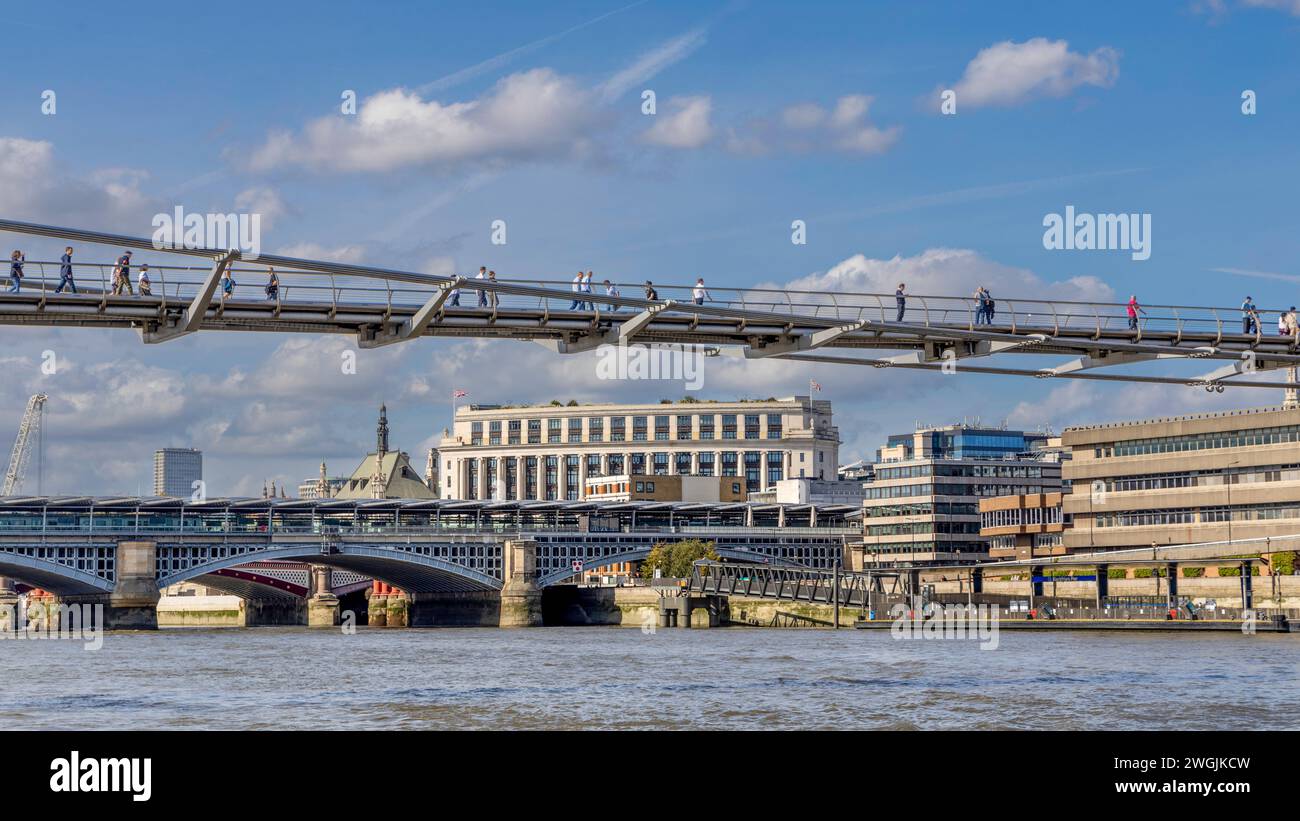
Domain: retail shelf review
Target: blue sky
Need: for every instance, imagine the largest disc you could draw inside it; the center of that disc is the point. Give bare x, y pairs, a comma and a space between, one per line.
767, 113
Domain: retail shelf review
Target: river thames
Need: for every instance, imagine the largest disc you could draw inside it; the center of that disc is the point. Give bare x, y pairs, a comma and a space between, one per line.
622, 678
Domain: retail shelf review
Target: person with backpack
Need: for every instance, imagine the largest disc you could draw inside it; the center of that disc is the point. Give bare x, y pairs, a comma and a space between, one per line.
122, 275
272, 285
650, 292
142, 281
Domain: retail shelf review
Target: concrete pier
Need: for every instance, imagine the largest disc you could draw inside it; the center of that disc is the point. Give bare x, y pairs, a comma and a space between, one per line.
521, 598
322, 604
133, 604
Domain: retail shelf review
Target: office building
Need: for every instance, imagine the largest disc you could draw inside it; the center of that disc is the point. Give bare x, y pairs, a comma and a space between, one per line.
1184, 479
175, 471
1023, 526
923, 505
550, 452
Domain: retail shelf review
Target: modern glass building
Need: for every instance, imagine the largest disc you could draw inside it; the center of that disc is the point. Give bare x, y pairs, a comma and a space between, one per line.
923, 504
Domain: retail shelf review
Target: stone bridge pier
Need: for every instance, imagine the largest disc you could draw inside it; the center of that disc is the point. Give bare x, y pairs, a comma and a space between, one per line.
322, 604
133, 604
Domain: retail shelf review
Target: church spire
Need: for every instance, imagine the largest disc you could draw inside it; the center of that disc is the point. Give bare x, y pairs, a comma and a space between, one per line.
382, 430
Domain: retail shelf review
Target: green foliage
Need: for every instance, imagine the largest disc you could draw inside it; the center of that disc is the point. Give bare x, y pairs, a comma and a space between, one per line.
1193, 572
1236, 571
1142, 573
1284, 562
573, 403
1116, 573
555, 403
675, 558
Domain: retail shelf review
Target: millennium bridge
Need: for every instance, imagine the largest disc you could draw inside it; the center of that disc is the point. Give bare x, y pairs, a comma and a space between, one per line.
477, 562
1030, 337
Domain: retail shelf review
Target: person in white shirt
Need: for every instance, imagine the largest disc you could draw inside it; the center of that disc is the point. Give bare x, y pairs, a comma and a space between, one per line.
700, 292
482, 295
577, 303
586, 289
142, 281
611, 289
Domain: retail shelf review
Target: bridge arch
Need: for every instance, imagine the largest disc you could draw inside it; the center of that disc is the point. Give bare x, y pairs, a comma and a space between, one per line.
410, 571
59, 579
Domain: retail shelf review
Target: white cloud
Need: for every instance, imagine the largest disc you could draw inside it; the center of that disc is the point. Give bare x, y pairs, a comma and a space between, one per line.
1289, 6
312, 250
262, 200
808, 127
948, 271
685, 126
531, 115
1008, 73
32, 189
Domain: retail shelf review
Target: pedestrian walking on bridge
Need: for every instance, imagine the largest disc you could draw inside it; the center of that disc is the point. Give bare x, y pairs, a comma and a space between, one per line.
65, 272
16, 260
1133, 310
900, 297
1249, 317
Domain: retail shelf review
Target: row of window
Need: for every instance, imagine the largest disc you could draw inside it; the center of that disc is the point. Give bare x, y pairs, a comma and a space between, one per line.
1165, 481
1201, 441
755, 471
1011, 470
976, 489
558, 430
1016, 517
1204, 515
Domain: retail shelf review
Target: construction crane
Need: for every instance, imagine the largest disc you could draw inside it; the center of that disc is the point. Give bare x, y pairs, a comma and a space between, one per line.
28, 431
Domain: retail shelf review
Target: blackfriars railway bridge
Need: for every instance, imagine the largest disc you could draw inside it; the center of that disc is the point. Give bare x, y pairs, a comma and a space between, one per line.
1026, 337
461, 562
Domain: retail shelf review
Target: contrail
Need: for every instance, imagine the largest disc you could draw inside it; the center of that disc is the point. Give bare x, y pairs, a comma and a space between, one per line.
493, 63
1242, 272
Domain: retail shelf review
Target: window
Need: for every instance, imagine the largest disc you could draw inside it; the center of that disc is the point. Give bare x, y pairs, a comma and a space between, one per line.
595, 429
530, 477
707, 467
649, 487
534, 431
706, 426
661, 428
730, 463
774, 426
593, 464
616, 466
753, 471
494, 432
639, 428
728, 426
514, 432
775, 467
683, 428
575, 429
553, 430
476, 433
683, 461
735, 488
751, 426
661, 464
618, 428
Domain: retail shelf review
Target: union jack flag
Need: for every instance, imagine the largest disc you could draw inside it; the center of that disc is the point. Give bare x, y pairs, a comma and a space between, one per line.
458, 393
814, 385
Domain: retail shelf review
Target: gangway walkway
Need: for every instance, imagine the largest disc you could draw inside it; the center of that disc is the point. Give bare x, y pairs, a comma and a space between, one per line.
1067, 339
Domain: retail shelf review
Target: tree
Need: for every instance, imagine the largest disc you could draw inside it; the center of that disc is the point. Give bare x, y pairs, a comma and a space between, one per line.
674, 559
